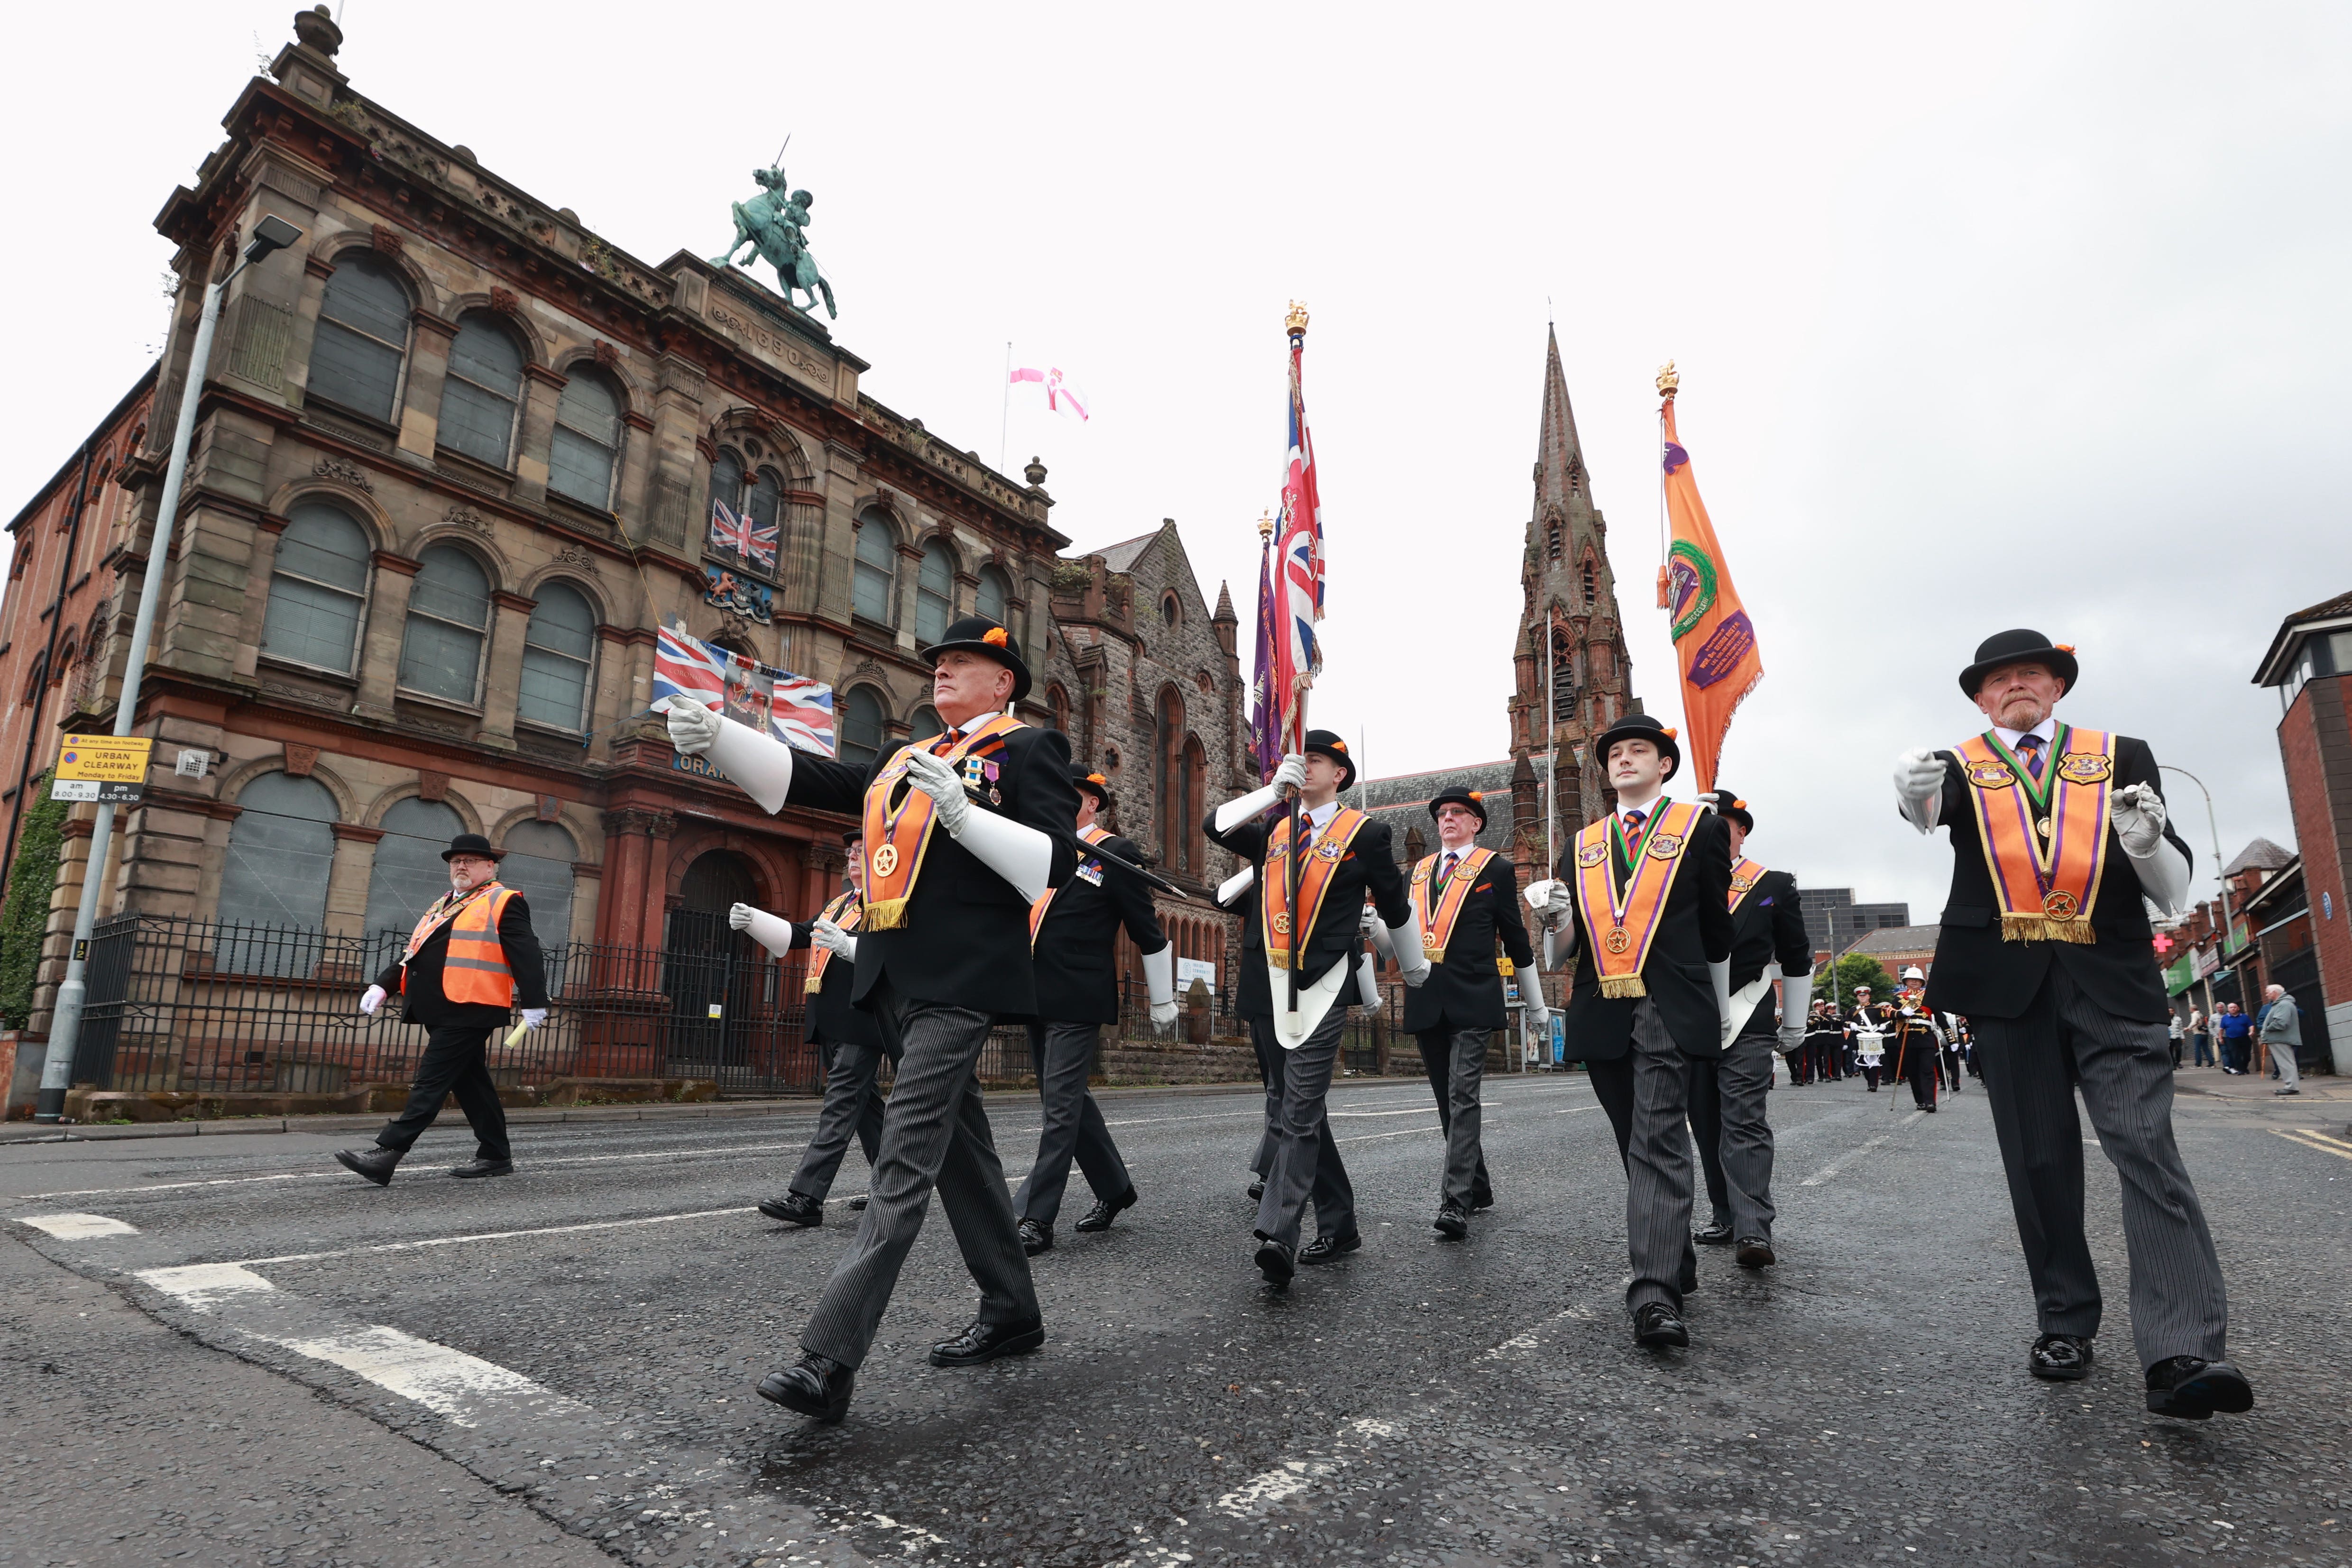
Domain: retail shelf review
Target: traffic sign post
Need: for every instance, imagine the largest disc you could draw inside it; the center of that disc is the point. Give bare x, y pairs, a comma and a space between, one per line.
107, 768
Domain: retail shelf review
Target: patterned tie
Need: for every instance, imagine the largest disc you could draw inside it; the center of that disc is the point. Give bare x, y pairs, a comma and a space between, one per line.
1446, 868
2032, 745
1633, 823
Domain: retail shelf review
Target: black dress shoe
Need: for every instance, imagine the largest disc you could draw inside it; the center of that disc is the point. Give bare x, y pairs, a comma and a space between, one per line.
1451, 1221
2060, 1358
1035, 1238
1716, 1233
2191, 1389
1099, 1217
1329, 1249
1257, 1189
1481, 1202
1929, 1109
812, 1386
986, 1341
794, 1209
478, 1166
857, 1204
1656, 1324
374, 1163
1276, 1262
1755, 1252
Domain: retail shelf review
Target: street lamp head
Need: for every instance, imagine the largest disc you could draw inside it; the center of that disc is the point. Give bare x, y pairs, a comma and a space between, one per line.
271, 233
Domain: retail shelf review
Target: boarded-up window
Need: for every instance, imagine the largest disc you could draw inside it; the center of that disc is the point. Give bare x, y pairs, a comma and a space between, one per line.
558, 651
448, 612
363, 337
993, 595
317, 589
927, 724
861, 727
482, 392
587, 441
409, 872
538, 866
281, 851
877, 567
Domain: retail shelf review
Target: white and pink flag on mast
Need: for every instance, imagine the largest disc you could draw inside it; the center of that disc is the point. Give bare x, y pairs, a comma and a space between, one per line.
1062, 395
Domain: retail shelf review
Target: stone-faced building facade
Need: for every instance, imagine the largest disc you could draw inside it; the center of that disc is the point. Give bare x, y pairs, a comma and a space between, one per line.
452, 467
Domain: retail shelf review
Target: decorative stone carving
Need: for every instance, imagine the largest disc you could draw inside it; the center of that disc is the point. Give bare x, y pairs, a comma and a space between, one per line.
551, 808
578, 557
342, 472
300, 759
607, 355
431, 786
503, 300
464, 516
387, 240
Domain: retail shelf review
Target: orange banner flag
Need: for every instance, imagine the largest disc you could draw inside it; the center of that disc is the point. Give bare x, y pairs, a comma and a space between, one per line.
1714, 642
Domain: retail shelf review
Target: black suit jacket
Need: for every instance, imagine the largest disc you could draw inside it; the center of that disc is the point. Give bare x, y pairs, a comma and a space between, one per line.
423, 1003
1077, 947
1368, 866
1768, 927
832, 1016
1977, 972
1693, 931
1253, 995
966, 938
1466, 991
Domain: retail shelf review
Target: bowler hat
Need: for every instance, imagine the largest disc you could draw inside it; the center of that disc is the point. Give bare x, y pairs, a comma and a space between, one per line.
1470, 799
1640, 727
989, 639
2019, 647
1326, 743
472, 844
1092, 781
1731, 807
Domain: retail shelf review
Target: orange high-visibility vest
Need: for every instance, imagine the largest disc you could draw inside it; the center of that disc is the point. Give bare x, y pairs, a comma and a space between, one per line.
475, 970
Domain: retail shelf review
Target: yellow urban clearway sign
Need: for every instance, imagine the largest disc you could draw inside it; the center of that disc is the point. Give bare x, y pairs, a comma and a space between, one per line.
103, 767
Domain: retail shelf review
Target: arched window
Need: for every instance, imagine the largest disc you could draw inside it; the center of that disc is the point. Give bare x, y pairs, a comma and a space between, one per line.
727, 479
448, 614
1588, 582
995, 595
861, 727
765, 501
1563, 677
1167, 775
409, 873
1192, 858
318, 589
559, 649
1057, 702
1552, 542
877, 567
934, 592
1171, 612
281, 850
362, 337
482, 392
538, 866
926, 724
586, 449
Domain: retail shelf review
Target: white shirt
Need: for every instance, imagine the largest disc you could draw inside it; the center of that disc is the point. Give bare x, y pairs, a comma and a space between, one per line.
2047, 729
968, 726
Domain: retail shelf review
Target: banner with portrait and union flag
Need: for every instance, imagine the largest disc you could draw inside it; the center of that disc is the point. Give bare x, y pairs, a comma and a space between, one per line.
792, 709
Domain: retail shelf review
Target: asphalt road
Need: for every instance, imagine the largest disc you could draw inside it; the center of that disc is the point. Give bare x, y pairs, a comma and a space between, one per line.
246, 1355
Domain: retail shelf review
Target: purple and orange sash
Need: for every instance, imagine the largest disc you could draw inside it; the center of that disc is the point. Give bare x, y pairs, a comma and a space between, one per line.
1437, 919
2045, 841
1090, 834
1745, 874
898, 818
843, 912
1314, 880
1620, 926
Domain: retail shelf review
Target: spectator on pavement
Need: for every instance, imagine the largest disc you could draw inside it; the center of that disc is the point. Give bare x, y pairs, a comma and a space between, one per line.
2201, 1037
2175, 1032
2237, 1034
2281, 1029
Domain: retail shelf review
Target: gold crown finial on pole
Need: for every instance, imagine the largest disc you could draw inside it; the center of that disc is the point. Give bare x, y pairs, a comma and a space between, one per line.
1295, 322
1266, 524
1669, 380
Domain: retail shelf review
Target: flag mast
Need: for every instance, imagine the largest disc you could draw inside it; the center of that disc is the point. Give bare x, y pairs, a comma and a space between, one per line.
1294, 326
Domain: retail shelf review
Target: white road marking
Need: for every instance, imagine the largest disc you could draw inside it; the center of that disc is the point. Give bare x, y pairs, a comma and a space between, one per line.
495, 1236
1851, 1156
203, 1284
1376, 1137
77, 1226
164, 1186
1294, 1476
2319, 1141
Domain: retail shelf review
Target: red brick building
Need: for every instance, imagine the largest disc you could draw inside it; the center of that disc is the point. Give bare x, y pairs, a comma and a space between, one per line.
2309, 663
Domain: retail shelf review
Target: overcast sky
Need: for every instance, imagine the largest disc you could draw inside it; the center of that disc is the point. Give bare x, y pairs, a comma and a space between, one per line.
2019, 315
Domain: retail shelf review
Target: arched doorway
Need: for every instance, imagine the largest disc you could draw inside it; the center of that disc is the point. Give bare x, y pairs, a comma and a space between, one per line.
718, 881
713, 974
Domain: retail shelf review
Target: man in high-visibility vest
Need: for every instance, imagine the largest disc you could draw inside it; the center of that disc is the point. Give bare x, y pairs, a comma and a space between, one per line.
469, 955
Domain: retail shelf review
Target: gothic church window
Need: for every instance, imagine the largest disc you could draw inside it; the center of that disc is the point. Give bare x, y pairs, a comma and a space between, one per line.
362, 337
318, 589
1552, 542
559, 649
482, 392
877, 567
587, 443
1590, 591
934, 592
1563, 677
448, 619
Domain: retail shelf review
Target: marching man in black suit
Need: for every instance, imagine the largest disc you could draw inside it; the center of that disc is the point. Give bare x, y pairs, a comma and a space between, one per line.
847, 1040
1344, 856
2057, 834
963, 832
1643, 904
1467, 901
469, 955
1075, 934
1727, 1092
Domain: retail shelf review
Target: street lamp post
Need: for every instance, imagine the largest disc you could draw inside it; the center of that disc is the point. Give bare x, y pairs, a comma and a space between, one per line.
2212, 828
271, 235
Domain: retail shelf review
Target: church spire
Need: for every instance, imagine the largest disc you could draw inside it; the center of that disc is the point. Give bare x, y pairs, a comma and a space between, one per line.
1557, 453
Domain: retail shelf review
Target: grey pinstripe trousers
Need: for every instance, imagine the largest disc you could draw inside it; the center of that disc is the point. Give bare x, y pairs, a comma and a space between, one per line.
1657, 1165
2032, 1064
1063, 1056
853, 1107
934, 1134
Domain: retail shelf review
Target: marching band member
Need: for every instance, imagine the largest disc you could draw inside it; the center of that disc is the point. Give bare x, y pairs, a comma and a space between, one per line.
1918, 1039
1866, 1027
1342, 855
2057, 835
1073, 935
1642, 905
962, 833
1467, 899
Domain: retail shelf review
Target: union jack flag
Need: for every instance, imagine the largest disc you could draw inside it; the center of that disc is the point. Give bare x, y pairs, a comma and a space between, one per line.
686, 666
748, 541
1298, 587
793, 708
800, 713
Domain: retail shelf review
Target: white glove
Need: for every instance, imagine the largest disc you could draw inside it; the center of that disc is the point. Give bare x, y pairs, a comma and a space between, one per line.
769, 931
2139, 819
944, 785
738, 916
1720, 974
834, 939
1292, 773
1559, 905
1538, 1017
1920, 786
1405, 948
371, 1000
534, 1018
1163, 1019
692, 726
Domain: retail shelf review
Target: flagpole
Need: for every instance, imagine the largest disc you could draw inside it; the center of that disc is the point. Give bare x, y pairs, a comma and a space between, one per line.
1295, 327
1004, 407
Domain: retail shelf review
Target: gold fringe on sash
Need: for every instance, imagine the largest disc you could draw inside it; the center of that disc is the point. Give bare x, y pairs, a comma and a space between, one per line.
1623, 986
2039, 928
889, 914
